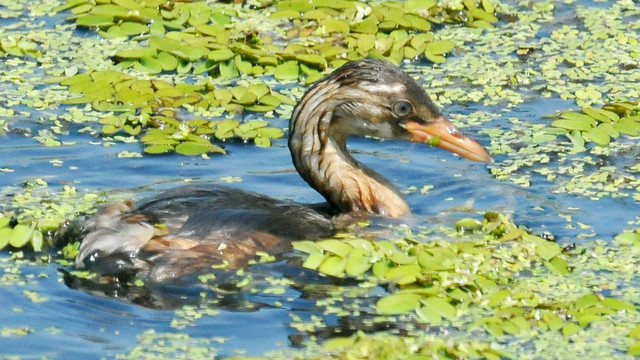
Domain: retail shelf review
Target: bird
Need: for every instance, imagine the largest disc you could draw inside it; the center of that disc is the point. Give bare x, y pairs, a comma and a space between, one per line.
187, 230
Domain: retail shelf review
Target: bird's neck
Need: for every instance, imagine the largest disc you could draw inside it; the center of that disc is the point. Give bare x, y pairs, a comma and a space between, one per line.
322, 159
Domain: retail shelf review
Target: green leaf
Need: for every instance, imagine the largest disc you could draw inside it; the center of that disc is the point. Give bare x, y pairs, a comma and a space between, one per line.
311, 59
262, 142
358, 262
335, 247
37, 240
21, 235
163, 43
270, 100
229, 70
617, 305
598, 136
398, 303
313, 261
468, 225
285, 14
438, 59
197, 148
418, 22
587, 319
573, 124
136, 53
404, 274
601, 114
149, 64
429, 315
628, 238
570, 329
287, 71
158, 149
335, 25
483, 15
488, 6
596, 114
496, 298
270, 133
247, 98
575, 136
368, 26
243, 66
224, 95
553, 321
220, 54
133, 28
210, 29
333, 265
418, 6
441, 306
572, 115
5, 236
95, 20
586, 301
558, 265
547, 250
608, 129
439, 47
339, 343
628, 127
309, 247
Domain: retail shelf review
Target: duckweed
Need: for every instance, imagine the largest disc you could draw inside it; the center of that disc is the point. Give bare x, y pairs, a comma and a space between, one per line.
506, 288
214, 38
476, 283
149, 107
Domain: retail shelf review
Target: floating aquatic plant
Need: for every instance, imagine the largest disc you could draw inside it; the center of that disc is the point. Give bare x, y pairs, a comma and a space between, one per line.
477, 282
150, 106
16, 45
199, 37
600, 125
35, 212
591, 61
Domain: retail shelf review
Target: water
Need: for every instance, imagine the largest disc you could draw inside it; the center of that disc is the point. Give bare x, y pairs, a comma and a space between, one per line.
73, 323
92, 324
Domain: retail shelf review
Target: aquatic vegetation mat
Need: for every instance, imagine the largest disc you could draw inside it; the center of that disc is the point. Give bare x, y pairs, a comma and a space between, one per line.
506, 283
552, 87
297, 38
428, 293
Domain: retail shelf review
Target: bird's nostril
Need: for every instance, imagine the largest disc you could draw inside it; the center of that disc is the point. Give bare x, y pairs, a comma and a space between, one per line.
457, 133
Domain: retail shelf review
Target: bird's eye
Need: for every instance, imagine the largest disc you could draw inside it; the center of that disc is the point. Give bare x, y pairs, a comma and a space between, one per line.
402, 108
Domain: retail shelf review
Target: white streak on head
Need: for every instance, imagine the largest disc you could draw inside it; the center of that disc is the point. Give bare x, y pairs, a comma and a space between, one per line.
386, 88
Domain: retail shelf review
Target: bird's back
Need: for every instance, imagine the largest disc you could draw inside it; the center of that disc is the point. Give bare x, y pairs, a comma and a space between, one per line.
186, 230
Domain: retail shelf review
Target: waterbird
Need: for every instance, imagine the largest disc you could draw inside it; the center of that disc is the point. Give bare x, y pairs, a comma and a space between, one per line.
186, 230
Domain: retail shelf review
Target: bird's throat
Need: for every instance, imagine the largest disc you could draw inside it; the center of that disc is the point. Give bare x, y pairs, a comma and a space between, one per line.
350, 186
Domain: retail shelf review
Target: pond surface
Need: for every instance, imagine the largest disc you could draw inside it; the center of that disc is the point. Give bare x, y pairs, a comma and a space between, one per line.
72, 323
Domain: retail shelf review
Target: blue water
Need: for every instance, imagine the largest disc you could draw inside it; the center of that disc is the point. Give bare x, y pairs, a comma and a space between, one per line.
76, 324
92, 325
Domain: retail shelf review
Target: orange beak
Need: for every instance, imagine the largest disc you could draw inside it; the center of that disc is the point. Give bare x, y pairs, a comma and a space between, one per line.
443, 134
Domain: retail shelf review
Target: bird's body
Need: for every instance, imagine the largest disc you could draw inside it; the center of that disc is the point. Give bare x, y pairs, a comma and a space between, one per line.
188, 229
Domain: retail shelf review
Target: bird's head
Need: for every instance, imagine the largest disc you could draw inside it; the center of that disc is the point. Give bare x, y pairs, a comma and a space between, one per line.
376, 98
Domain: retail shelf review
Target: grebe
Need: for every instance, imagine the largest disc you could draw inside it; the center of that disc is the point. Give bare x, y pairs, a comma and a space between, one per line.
188, 229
